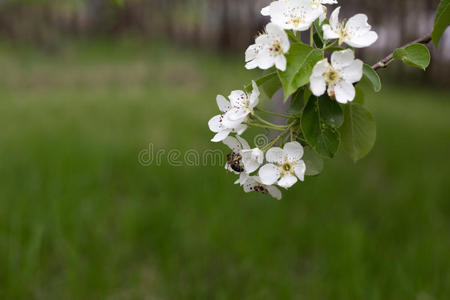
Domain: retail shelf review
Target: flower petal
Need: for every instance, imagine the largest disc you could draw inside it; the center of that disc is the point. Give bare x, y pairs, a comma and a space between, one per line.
220, 136
281, 62
364, 40
341, 59
240, 128
344, 91
243, 142
275, 155
269, 174
233, 144
328, 32
334, 18
318, 85
359, 32
287, 181
252, 159
354, 72
238, 98
293, 151
223, 103
300, 169
215, 124
265, 11
274, 192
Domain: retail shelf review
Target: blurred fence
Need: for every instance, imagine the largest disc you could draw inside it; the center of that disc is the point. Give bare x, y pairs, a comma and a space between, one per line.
223, 24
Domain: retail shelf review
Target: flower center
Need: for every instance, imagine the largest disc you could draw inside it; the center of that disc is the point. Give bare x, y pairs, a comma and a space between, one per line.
277, 48
332, 76
296, 21
343, 35
286, 167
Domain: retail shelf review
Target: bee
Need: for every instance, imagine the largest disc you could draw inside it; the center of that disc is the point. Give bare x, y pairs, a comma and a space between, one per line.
234, 162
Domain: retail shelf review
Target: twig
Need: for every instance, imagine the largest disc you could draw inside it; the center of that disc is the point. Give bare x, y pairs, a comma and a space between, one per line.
385, 61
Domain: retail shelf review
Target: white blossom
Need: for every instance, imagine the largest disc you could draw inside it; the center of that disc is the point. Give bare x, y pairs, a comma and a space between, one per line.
216, 123
269, 49
295, 15
244, 157
339, 76
285, 165
355, 32
242, 104
254, 184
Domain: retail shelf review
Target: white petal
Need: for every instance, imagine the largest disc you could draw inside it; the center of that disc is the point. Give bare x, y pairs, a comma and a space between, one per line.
364, 40
243, 177
238, 98
334, 18
281, 62
269, 174
275, 155
341, 59
231, 123
274, 192
320, 68
300, 169
254, 96
344, 91
293, 151
265, 11
221, 136
354, 72
235, 114
251, 65
328, 33
252, 159
223, 103
251, 52
240, 128
357, 25
265, 59
318, 85
287, 181
215, 124
233, 144
359, 31
243, 142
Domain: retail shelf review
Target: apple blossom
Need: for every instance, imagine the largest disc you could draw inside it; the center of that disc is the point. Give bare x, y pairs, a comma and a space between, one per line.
340, 76
216, 123
295, 15
242, 104
269, 49
285, 165
355, 32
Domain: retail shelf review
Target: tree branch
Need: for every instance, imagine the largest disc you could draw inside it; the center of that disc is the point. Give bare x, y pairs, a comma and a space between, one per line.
384, 62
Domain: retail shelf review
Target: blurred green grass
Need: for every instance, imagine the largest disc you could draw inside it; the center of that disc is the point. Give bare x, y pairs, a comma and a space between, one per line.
80, 218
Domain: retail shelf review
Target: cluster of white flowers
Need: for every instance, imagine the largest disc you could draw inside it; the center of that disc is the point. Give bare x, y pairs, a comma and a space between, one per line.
264, 169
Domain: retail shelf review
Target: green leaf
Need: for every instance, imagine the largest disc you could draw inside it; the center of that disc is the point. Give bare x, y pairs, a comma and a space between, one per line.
313, 162
297, 103
441, 21
359, 98
321, 118
269, 84
373, 77
358, 132
301, 59
416, 55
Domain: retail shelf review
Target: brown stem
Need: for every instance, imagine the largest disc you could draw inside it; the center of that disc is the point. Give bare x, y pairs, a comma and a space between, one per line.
383, 63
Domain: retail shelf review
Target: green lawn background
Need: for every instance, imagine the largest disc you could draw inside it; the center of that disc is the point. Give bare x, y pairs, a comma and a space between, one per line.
80, 218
